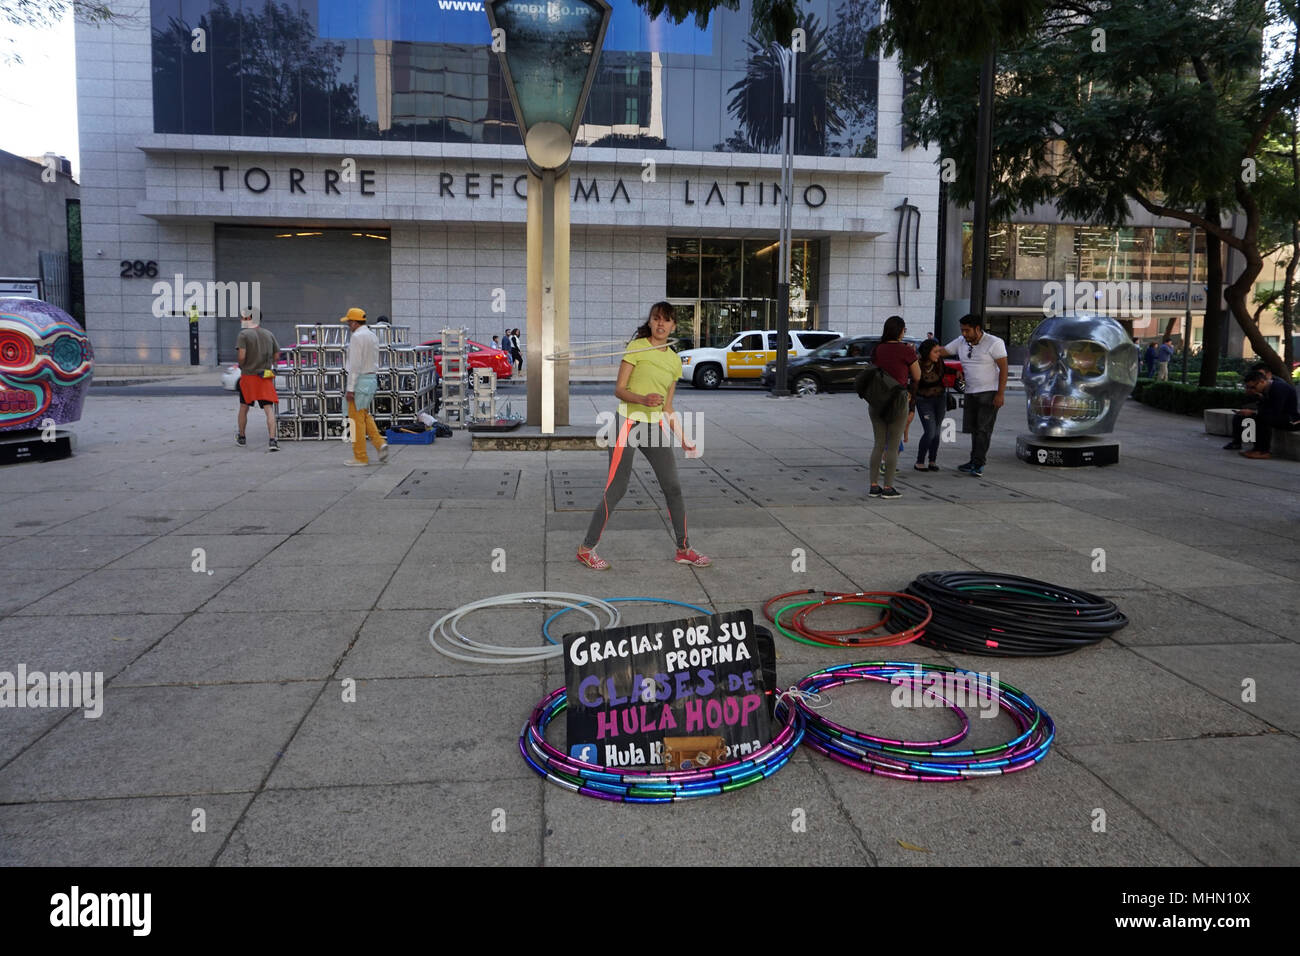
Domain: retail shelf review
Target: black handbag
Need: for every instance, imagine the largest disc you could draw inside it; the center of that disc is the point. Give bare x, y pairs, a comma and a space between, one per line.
952, 402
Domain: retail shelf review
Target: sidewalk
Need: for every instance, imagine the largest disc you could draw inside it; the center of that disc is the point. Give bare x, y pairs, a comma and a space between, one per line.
225, 685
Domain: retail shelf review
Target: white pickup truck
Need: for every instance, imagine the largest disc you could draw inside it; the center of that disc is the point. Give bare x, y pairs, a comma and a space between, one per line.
743, 358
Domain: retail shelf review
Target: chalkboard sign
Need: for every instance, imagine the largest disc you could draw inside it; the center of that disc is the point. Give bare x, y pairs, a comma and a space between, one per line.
701, 677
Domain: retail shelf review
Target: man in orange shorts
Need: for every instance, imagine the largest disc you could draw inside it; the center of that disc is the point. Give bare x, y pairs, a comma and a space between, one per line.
257, 349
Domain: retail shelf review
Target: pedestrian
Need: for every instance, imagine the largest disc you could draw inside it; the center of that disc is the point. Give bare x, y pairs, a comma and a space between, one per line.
1276, 412
496, 342
515, 350
984, 366
647, 379
931, 403
1149, 357
1163, 355
256, 349
898, 360
362, 369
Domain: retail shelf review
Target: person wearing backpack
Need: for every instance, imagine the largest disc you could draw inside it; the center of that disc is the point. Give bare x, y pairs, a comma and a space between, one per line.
897, 361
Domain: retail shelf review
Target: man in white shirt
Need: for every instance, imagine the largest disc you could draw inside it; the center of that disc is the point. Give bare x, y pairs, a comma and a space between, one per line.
984, 363
362, 368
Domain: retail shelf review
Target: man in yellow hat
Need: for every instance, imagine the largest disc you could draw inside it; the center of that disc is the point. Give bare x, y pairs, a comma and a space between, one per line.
362, 369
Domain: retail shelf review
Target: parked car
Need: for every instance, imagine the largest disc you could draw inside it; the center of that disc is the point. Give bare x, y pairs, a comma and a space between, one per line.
743, 357
835, 366
480, 356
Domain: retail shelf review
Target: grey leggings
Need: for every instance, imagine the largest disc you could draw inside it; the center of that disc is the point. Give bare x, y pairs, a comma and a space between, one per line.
654, 442
888, 436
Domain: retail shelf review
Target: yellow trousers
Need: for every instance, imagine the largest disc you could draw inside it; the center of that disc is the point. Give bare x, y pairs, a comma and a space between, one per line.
363, 427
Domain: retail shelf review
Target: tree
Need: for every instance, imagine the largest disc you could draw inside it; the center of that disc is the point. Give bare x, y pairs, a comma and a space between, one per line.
1162, 103
47, 13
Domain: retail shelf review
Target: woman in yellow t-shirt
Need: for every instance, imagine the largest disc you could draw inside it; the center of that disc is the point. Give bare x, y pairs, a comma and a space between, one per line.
647, 378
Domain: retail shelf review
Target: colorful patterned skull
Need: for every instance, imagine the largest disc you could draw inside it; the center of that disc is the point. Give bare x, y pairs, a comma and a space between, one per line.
46, 364
1080, 369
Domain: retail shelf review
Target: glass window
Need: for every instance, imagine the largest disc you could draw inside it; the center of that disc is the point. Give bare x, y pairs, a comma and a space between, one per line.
720, 264
683, 268
761, 259
750, 343
1031, 252
658, 85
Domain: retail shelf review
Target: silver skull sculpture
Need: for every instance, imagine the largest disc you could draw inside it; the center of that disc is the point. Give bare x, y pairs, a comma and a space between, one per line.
1080, 369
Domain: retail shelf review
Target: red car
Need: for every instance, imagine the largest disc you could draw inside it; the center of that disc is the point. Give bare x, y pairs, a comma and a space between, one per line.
480, 356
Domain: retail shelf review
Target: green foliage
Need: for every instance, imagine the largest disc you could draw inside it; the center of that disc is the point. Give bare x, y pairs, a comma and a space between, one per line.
1186, 399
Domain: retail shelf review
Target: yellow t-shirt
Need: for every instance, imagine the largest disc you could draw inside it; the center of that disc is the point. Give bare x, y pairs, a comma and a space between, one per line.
654, 371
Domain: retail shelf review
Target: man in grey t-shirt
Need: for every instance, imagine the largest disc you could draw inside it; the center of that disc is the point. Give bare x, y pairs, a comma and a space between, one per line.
256, 349
984, 364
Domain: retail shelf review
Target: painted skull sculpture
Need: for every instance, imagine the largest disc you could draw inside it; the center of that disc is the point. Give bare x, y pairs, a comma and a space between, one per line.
46, 364
1080, 369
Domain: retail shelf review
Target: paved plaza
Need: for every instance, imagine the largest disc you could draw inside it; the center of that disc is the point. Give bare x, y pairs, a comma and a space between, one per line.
226, 688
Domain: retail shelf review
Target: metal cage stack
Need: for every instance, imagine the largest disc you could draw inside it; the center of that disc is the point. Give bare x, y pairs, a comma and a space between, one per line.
455, 378
312, 383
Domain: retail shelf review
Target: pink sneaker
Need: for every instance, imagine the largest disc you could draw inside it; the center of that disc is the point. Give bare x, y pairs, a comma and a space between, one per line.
693, 557
592, 560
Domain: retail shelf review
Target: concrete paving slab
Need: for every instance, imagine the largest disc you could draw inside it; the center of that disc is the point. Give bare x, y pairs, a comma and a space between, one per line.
110, 591
135, 519
1157, 705
420, 583
396, 643
412, 731
1163, 617
141, 831
160, 741
24, 592
67, 552
1071, 569
248, 646
334, 587
1039, 817
636, 576
1265, 672
742, 580
1178, 565
433, 824
324, 551
20, 728
85, 642
176, 550
1274, 610
790, 815
1220, 799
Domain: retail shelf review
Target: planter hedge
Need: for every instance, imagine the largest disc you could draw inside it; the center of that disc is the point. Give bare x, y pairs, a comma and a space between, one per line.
1186, 399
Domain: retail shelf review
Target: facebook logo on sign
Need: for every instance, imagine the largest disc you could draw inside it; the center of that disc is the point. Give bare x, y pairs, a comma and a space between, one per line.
584, 752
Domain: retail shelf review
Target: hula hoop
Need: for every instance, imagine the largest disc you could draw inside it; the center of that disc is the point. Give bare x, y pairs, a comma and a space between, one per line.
572, 356
457, 643
917, 760
546, 627
642, 786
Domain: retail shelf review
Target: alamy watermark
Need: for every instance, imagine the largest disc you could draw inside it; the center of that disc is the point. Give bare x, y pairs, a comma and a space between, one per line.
967, 690
675, 429
223, 300
1121, 300
37, 689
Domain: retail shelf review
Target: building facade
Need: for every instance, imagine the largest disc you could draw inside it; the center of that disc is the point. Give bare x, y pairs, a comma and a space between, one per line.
40, 230
312, 155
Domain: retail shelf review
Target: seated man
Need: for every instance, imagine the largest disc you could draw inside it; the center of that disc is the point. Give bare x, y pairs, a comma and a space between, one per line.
1277, 409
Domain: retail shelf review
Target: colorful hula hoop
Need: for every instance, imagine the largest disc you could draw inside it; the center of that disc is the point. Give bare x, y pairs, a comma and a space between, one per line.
923, 760
919, 616
639, 786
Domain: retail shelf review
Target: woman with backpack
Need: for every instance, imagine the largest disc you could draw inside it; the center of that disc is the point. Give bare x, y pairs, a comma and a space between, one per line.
898, 361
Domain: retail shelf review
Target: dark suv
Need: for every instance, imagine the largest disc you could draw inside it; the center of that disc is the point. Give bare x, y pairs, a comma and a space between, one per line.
835, 366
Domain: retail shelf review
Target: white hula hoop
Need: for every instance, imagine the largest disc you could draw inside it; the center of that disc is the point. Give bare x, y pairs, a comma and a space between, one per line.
456, 644
573, 355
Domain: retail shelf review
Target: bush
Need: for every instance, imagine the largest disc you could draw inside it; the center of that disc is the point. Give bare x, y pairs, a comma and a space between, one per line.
1186, 399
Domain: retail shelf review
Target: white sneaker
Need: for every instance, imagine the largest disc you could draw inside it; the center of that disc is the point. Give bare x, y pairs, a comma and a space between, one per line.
353, 463
383, 452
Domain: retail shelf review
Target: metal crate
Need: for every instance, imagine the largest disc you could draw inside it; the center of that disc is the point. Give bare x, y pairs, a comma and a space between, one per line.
382, 405
331, 383
307, 383
333, 358
384, 382
286, 429
334, 428
310, 429
406, 382
309, 406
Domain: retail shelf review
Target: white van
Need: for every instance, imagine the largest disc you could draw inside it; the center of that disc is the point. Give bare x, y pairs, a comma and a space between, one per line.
743, 358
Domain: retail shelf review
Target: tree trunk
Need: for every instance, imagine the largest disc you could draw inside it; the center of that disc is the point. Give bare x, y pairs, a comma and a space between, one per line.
1211, 329
1236, 295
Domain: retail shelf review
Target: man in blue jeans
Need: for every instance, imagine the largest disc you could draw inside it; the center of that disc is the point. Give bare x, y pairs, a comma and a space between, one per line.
983, 360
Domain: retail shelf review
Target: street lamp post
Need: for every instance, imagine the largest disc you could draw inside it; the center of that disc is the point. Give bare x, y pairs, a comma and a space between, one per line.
788, 60
548, 53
